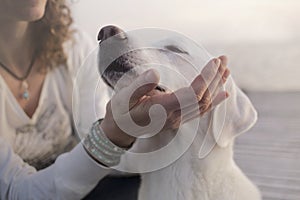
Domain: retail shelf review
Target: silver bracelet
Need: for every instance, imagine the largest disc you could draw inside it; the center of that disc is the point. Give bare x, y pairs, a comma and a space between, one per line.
101, 148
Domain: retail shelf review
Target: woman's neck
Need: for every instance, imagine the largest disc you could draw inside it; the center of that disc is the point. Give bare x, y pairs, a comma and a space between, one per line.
15, 48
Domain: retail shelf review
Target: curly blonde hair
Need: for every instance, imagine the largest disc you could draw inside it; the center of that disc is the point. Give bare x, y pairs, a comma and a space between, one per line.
55, 30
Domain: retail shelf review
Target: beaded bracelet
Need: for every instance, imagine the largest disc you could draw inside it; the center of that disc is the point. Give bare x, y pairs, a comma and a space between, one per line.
101, 148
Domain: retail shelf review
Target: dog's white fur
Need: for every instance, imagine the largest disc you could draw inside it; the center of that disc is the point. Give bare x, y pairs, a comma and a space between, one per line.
216, 176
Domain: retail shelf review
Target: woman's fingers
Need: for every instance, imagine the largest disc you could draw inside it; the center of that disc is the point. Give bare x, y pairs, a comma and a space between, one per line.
202, 81
221, 96
212, 90
224, 60
215, 85
226, 73
193, 94
212, 97
133, 93
217, 92
198, 109
188, 116
185, 97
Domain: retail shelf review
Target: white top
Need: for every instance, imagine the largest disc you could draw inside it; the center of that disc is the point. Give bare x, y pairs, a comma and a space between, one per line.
40, 139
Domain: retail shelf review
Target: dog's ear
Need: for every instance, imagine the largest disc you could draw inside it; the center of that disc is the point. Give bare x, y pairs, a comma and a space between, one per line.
233, 117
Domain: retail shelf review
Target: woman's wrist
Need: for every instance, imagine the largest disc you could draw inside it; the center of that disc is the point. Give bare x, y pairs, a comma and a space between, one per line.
116, 135
101, 148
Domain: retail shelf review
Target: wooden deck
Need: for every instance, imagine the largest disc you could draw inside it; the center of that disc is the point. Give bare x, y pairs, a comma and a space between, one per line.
270, 152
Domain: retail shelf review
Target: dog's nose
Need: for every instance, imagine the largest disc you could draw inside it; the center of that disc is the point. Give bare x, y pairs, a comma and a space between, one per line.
109, 31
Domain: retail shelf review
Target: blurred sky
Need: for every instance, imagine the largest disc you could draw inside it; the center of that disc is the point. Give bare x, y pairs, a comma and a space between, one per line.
266, 30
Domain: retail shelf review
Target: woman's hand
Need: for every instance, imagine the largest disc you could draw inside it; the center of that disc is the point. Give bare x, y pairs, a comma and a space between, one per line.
197, 99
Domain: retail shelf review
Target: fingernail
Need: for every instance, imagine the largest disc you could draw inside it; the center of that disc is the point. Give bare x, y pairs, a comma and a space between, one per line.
217, 61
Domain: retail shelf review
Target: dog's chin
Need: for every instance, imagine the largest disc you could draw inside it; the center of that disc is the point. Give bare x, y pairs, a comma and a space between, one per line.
119, 79
125, 81
119, 75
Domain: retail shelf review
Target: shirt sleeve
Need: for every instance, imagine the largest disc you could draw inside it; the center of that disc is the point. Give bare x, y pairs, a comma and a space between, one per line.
72, 176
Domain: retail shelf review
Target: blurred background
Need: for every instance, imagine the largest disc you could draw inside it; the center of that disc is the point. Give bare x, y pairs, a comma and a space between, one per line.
261, 37
262, 40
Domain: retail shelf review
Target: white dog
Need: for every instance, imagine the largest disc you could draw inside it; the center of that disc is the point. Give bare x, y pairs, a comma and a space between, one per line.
210, 175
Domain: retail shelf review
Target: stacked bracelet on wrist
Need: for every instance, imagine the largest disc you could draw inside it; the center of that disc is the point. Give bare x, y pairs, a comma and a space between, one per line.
101, 148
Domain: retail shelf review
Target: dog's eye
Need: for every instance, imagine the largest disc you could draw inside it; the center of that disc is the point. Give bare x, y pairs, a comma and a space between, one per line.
175, 49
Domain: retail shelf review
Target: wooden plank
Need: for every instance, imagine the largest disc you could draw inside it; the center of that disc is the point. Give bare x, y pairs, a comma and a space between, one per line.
269, 153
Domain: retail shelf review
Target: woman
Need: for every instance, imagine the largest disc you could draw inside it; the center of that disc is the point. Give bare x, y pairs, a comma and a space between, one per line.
39, 55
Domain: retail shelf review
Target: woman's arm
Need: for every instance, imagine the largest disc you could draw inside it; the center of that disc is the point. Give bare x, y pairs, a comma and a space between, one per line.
72, 176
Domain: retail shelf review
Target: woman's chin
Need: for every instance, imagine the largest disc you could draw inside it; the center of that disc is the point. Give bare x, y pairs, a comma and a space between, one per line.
31, 14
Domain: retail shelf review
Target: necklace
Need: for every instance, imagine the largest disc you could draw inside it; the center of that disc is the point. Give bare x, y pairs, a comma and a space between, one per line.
24, 84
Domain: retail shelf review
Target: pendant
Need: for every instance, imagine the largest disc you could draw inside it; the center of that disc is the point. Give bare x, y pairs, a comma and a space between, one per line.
25, 94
